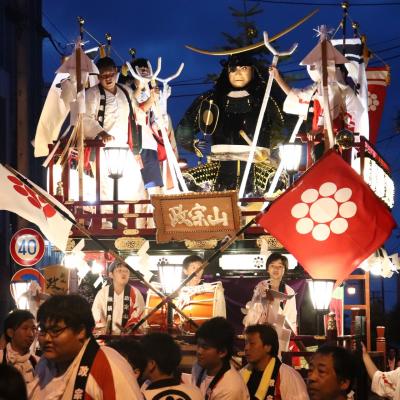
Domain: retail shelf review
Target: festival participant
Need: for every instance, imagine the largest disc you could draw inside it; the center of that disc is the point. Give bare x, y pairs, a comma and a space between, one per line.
262, 307
386, 384
133, 352
163, 381
194, 286
232, 106
110, 117
345, 107
212, 373
331, 374
73, 365
20, 333
146, 98
266, 377
118, 305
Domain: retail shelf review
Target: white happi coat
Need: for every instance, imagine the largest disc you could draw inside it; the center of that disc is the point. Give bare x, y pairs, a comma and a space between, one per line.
192, 391
111, 378
230, 387
387, 384
291, 384
257, 307
99, 308
116, 124
343, 103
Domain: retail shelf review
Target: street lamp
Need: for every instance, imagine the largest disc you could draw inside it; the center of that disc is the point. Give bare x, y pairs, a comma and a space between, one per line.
116, 157
290, 155
170, 278
321, 295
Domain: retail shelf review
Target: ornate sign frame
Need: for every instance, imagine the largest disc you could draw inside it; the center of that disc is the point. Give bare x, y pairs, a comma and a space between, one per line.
196, 216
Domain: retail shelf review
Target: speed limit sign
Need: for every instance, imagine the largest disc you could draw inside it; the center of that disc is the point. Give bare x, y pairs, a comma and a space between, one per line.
27, 247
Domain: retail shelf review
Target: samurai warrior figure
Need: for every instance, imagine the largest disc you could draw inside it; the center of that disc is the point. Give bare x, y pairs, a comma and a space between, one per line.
229, 113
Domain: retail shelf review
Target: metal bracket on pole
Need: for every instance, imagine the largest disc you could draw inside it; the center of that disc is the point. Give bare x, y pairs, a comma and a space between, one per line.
275, 59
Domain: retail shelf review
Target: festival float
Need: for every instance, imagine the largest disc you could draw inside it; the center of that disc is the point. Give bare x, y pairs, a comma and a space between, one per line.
322, 197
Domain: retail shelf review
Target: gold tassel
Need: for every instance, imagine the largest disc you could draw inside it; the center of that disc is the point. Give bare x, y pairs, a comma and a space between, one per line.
102, 51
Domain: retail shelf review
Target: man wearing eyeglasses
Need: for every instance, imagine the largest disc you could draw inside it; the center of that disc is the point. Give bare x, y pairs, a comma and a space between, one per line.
73, 366
110, 117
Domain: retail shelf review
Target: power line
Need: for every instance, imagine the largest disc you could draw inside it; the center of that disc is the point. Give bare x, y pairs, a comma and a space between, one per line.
313, 3
55, 27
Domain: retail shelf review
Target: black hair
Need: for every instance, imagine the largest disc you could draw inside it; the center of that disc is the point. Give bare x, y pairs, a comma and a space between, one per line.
73, 309
140, 62
14, 319
133, 351
275, 257
268, 336
219, 333
105, 63
12, 384
163, 350
344, 363
116, 264
190, 259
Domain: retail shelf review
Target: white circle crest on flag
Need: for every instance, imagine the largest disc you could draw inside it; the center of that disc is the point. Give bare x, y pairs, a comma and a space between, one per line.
324, 211
373, 101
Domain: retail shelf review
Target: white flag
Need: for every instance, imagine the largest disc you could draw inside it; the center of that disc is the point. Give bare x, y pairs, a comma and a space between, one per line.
22, 200
357, 79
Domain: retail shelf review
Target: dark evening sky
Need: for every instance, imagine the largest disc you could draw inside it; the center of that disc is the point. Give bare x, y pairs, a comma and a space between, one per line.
162, 28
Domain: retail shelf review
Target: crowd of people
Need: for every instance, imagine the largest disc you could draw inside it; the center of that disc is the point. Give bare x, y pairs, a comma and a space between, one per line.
73, 365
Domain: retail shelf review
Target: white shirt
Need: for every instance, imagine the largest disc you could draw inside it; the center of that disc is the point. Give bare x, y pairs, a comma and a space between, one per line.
115, 118
256, 311
99, 308
21, 363
230, 387
387, 384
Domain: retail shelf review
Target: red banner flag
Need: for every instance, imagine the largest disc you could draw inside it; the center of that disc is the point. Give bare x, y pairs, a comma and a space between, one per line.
378, 80
330, 219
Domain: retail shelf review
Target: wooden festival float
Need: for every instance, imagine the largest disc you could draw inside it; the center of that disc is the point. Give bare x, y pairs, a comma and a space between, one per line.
219, 226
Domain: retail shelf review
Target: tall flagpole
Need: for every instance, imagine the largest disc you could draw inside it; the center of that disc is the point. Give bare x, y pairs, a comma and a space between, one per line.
79, 88
82, 229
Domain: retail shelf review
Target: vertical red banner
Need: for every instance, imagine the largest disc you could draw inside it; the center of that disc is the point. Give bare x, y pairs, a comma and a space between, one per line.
378, 80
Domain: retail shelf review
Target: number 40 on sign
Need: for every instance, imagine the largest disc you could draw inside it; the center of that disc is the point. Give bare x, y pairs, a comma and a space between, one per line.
27, 247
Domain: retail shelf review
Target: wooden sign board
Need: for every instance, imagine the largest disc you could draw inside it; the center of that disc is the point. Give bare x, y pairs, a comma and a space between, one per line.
57, 277
196, 216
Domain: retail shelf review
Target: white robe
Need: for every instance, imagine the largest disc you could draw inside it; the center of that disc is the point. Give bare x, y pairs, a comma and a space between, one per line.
111, 378
387, 384
130, 186
99, 308
257, 307
292, 386
230, 387
192, 391
21, 363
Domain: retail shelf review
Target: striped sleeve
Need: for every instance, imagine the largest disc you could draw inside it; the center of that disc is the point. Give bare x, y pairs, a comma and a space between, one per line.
111, 378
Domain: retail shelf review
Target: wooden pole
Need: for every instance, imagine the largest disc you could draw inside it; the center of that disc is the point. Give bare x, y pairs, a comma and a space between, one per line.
79, 88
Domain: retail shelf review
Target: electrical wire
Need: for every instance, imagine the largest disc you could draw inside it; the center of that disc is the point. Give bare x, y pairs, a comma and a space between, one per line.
55, 27
313, 3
